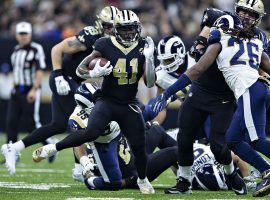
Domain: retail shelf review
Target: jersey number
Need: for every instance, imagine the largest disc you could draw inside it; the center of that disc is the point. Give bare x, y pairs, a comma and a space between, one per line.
89, 30
82, 114
120, 71
124, 153
253, 57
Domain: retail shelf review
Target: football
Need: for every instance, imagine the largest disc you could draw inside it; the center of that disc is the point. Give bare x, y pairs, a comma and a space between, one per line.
92, 64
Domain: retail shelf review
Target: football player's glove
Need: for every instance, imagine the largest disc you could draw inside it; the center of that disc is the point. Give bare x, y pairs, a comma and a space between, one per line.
99, 71
62, 86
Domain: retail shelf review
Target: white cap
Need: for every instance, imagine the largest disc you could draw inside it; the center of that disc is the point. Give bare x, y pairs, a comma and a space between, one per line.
24, 27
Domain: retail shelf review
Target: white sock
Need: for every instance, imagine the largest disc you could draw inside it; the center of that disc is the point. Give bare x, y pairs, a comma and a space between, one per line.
90, 181
185, 172
84, 160
229, 168
50, 140
19, 146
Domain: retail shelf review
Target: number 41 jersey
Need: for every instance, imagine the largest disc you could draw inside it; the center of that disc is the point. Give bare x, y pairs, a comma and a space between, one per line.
238, 60
121, 85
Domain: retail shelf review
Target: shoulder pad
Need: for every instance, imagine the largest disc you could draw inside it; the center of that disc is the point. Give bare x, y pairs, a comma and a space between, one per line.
214, 36
88, 35
210, 15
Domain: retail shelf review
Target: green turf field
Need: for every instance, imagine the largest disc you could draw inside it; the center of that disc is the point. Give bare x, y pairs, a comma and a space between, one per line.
44, 181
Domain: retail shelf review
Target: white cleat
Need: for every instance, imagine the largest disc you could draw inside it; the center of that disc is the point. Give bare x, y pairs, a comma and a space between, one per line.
77, 173
44, 152
11, 155
145, 186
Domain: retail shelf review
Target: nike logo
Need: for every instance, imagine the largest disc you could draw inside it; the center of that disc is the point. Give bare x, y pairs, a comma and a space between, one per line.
265, 183
242, 191
225, 101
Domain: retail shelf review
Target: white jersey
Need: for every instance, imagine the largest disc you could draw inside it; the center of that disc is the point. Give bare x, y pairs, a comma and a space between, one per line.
203, 156
239, 62
165, 79
202, 153
80, 121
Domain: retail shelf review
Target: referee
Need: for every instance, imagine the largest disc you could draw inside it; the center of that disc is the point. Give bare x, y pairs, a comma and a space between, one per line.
28, 62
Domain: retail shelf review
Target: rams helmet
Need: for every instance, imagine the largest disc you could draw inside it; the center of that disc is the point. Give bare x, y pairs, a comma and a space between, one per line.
84, 95
211, 177
171, 53
127, 27
230, 24
253, 6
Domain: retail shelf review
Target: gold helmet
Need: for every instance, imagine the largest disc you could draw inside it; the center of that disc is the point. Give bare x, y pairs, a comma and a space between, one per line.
127, 27
253, 6
105, 19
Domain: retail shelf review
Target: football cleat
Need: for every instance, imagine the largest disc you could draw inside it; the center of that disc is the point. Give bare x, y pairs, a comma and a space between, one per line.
254, 176
251, 186
183, 186
44, 152
52, 158
263, 188
77, 173
236, 183
11, 156
145, 186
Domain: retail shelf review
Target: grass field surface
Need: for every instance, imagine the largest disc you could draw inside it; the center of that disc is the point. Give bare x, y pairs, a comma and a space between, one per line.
44, 181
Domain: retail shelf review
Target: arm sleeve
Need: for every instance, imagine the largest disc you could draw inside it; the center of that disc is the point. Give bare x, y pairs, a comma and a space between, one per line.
214, 37
40, 57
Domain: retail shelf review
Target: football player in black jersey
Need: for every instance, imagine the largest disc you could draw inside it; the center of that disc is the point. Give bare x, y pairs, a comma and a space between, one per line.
209, 87
63, 82
130, 57
198, 106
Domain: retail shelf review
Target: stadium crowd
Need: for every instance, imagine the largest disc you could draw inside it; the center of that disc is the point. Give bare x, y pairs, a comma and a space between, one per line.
219, 93
59, 19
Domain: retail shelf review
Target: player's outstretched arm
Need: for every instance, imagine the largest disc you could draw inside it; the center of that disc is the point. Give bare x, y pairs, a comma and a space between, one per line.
69, 45
190, 75
82, 70
150, 75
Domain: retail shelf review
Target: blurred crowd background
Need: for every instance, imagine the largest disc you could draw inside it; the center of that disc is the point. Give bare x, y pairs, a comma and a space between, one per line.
54, 20
58, 19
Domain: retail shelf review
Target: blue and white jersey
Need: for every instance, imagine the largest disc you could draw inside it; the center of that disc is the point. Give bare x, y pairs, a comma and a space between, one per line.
165, 79
238, 60
79, 120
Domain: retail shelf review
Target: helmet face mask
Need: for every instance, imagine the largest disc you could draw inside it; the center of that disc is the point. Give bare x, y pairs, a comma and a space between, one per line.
105, 20
127, 28
127, 34
171, 53
250, 12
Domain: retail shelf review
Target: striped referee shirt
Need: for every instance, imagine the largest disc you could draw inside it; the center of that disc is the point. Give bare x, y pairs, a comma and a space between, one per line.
25, 61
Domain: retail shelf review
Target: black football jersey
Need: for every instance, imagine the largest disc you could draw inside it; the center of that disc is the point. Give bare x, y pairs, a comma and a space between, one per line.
87, 36
121, 84
212, 80
210, 15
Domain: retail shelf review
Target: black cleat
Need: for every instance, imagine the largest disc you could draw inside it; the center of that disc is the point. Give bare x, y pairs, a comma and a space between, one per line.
263, 188
183, 186
236, 183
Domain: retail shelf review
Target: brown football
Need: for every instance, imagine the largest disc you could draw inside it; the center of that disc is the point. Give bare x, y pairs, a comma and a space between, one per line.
92, 64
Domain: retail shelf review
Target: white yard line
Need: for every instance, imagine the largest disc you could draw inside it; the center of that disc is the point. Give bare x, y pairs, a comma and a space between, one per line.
38, 170
99, 198
39, 186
